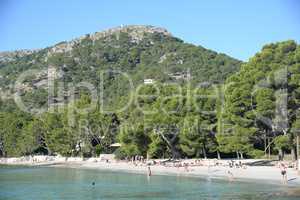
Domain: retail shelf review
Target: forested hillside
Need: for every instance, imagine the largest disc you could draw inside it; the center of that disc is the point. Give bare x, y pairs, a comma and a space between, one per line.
143, 52
200, 104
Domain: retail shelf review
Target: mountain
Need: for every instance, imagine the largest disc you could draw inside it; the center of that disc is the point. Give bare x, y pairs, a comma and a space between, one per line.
261, 99
142, 52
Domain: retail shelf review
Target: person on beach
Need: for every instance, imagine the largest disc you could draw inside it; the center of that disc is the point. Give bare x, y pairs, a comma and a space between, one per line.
186, 167
283, 172
231, 164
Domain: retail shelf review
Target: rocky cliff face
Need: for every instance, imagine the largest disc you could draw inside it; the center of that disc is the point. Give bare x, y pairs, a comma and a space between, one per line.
136, 33
7, 56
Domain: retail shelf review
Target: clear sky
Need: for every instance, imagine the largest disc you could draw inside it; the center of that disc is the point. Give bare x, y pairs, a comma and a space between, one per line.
236, 27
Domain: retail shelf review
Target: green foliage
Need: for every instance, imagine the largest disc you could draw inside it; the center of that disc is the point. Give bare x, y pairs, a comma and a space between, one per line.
11, 127
98, 149
133, 139
157, 148
163, 124
256, 153
120, 154
282, 142
255, 99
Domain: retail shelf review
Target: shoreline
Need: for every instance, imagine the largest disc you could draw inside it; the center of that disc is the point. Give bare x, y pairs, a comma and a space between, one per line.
256, 174
213, 173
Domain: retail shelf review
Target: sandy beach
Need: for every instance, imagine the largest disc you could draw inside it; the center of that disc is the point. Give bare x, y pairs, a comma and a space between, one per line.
208, 170
252, 173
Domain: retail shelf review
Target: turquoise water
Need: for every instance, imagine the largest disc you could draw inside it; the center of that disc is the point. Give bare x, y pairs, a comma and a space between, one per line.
21, 183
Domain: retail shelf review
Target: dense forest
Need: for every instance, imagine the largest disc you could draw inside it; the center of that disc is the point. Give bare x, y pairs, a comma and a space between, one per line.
201, 103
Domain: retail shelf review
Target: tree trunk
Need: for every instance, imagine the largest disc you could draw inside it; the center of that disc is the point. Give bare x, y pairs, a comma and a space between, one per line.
204, 152
49, 151
269, 152
297, 149
175, 153
198, 153
171, 145
293, 152
242, 155
265, 142
280, 154
218, 154
237, 155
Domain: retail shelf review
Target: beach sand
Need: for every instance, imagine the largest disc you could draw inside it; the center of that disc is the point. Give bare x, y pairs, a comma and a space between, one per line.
251, 173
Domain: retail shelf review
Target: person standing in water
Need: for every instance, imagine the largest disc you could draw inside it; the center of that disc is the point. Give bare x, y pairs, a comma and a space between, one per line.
149, 171
230, 176
283, 172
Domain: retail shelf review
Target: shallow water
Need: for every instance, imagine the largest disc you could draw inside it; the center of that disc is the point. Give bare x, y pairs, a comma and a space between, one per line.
24, 183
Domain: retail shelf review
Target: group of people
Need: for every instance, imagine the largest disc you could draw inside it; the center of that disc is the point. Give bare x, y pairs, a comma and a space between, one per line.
186, 164
136, 160
236, 164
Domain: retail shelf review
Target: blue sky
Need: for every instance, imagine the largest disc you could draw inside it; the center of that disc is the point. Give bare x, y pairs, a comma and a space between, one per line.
235, 27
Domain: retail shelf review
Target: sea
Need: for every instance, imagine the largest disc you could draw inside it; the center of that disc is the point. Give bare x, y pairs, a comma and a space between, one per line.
50, 183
